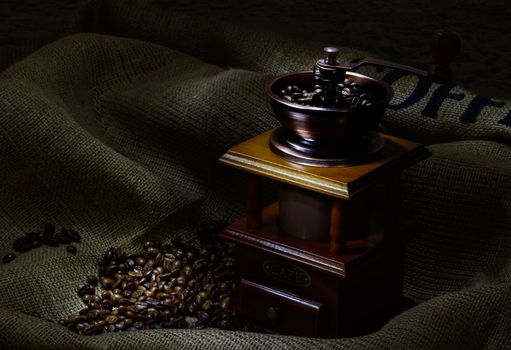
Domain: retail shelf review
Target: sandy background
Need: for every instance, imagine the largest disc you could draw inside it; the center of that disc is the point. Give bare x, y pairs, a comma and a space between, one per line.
391, 29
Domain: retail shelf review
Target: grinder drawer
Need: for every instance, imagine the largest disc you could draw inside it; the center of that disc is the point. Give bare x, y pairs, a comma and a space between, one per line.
280, 311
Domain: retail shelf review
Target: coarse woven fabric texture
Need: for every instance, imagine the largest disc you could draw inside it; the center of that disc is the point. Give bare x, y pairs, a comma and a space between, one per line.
116, 133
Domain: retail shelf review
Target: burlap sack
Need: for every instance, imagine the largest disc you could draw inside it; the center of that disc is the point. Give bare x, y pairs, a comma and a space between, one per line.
118, 138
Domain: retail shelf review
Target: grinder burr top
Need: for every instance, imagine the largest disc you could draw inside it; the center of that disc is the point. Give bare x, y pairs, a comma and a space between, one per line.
331, 55
330, 115
445, 45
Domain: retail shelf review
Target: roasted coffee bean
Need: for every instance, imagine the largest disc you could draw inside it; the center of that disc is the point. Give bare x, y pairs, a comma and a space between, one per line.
71, 249
188, 271
110, 254
35, 244
225, 302
116, 285
224, 324
125, 302
130, 286
122, 310
73, 235
152, 251
216, 292
33, 236
159, 288
93, 314
199, 265
137, 293
203, 316
120, 326
8, 258
154, 314
192, 254
116, 297
177, 264
207, 305
139, 305
92, 280
159, 258
86, 289
86, 298
49, 230
22, 245
130, 263
63, 237
106, 304
140, 261
225, 286
106, 282
83, 311
168, 255
138, 325
320, 96
150, 244
51, 242
145, 254
227, 262
111, 319
182, 281
192, 309
128, 322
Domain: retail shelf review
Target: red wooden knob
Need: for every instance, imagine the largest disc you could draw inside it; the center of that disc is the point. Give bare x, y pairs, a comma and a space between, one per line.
445, 45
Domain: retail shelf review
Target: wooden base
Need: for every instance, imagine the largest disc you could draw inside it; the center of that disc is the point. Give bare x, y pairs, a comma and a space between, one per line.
293, 286
339, 274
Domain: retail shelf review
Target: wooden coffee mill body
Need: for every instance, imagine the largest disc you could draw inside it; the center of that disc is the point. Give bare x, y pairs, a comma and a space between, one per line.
344, 286
326, 260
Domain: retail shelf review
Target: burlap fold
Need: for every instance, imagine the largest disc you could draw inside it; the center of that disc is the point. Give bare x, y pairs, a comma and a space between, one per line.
118, 138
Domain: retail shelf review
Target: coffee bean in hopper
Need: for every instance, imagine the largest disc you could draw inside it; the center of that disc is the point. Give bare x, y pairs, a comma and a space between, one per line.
348, 94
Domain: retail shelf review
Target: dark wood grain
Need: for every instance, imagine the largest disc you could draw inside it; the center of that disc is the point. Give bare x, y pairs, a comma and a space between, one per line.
279, 310
358, 291
445, 46
346, 286
339, 226
253, 201
254, 156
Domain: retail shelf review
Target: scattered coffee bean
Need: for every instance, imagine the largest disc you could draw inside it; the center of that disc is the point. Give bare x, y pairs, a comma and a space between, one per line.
51, 242
49, 230
92, 280
73, 235
8, 258
22, 245
62, 237
47, 237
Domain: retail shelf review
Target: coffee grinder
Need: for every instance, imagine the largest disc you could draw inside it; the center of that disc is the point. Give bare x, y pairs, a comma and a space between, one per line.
326, 259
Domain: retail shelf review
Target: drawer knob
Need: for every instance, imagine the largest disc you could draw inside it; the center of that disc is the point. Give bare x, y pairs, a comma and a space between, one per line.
271, 312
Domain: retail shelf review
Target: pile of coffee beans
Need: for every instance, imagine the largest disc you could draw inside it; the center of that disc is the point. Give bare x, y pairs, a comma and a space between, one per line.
348, 94
179, 285
47, 236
